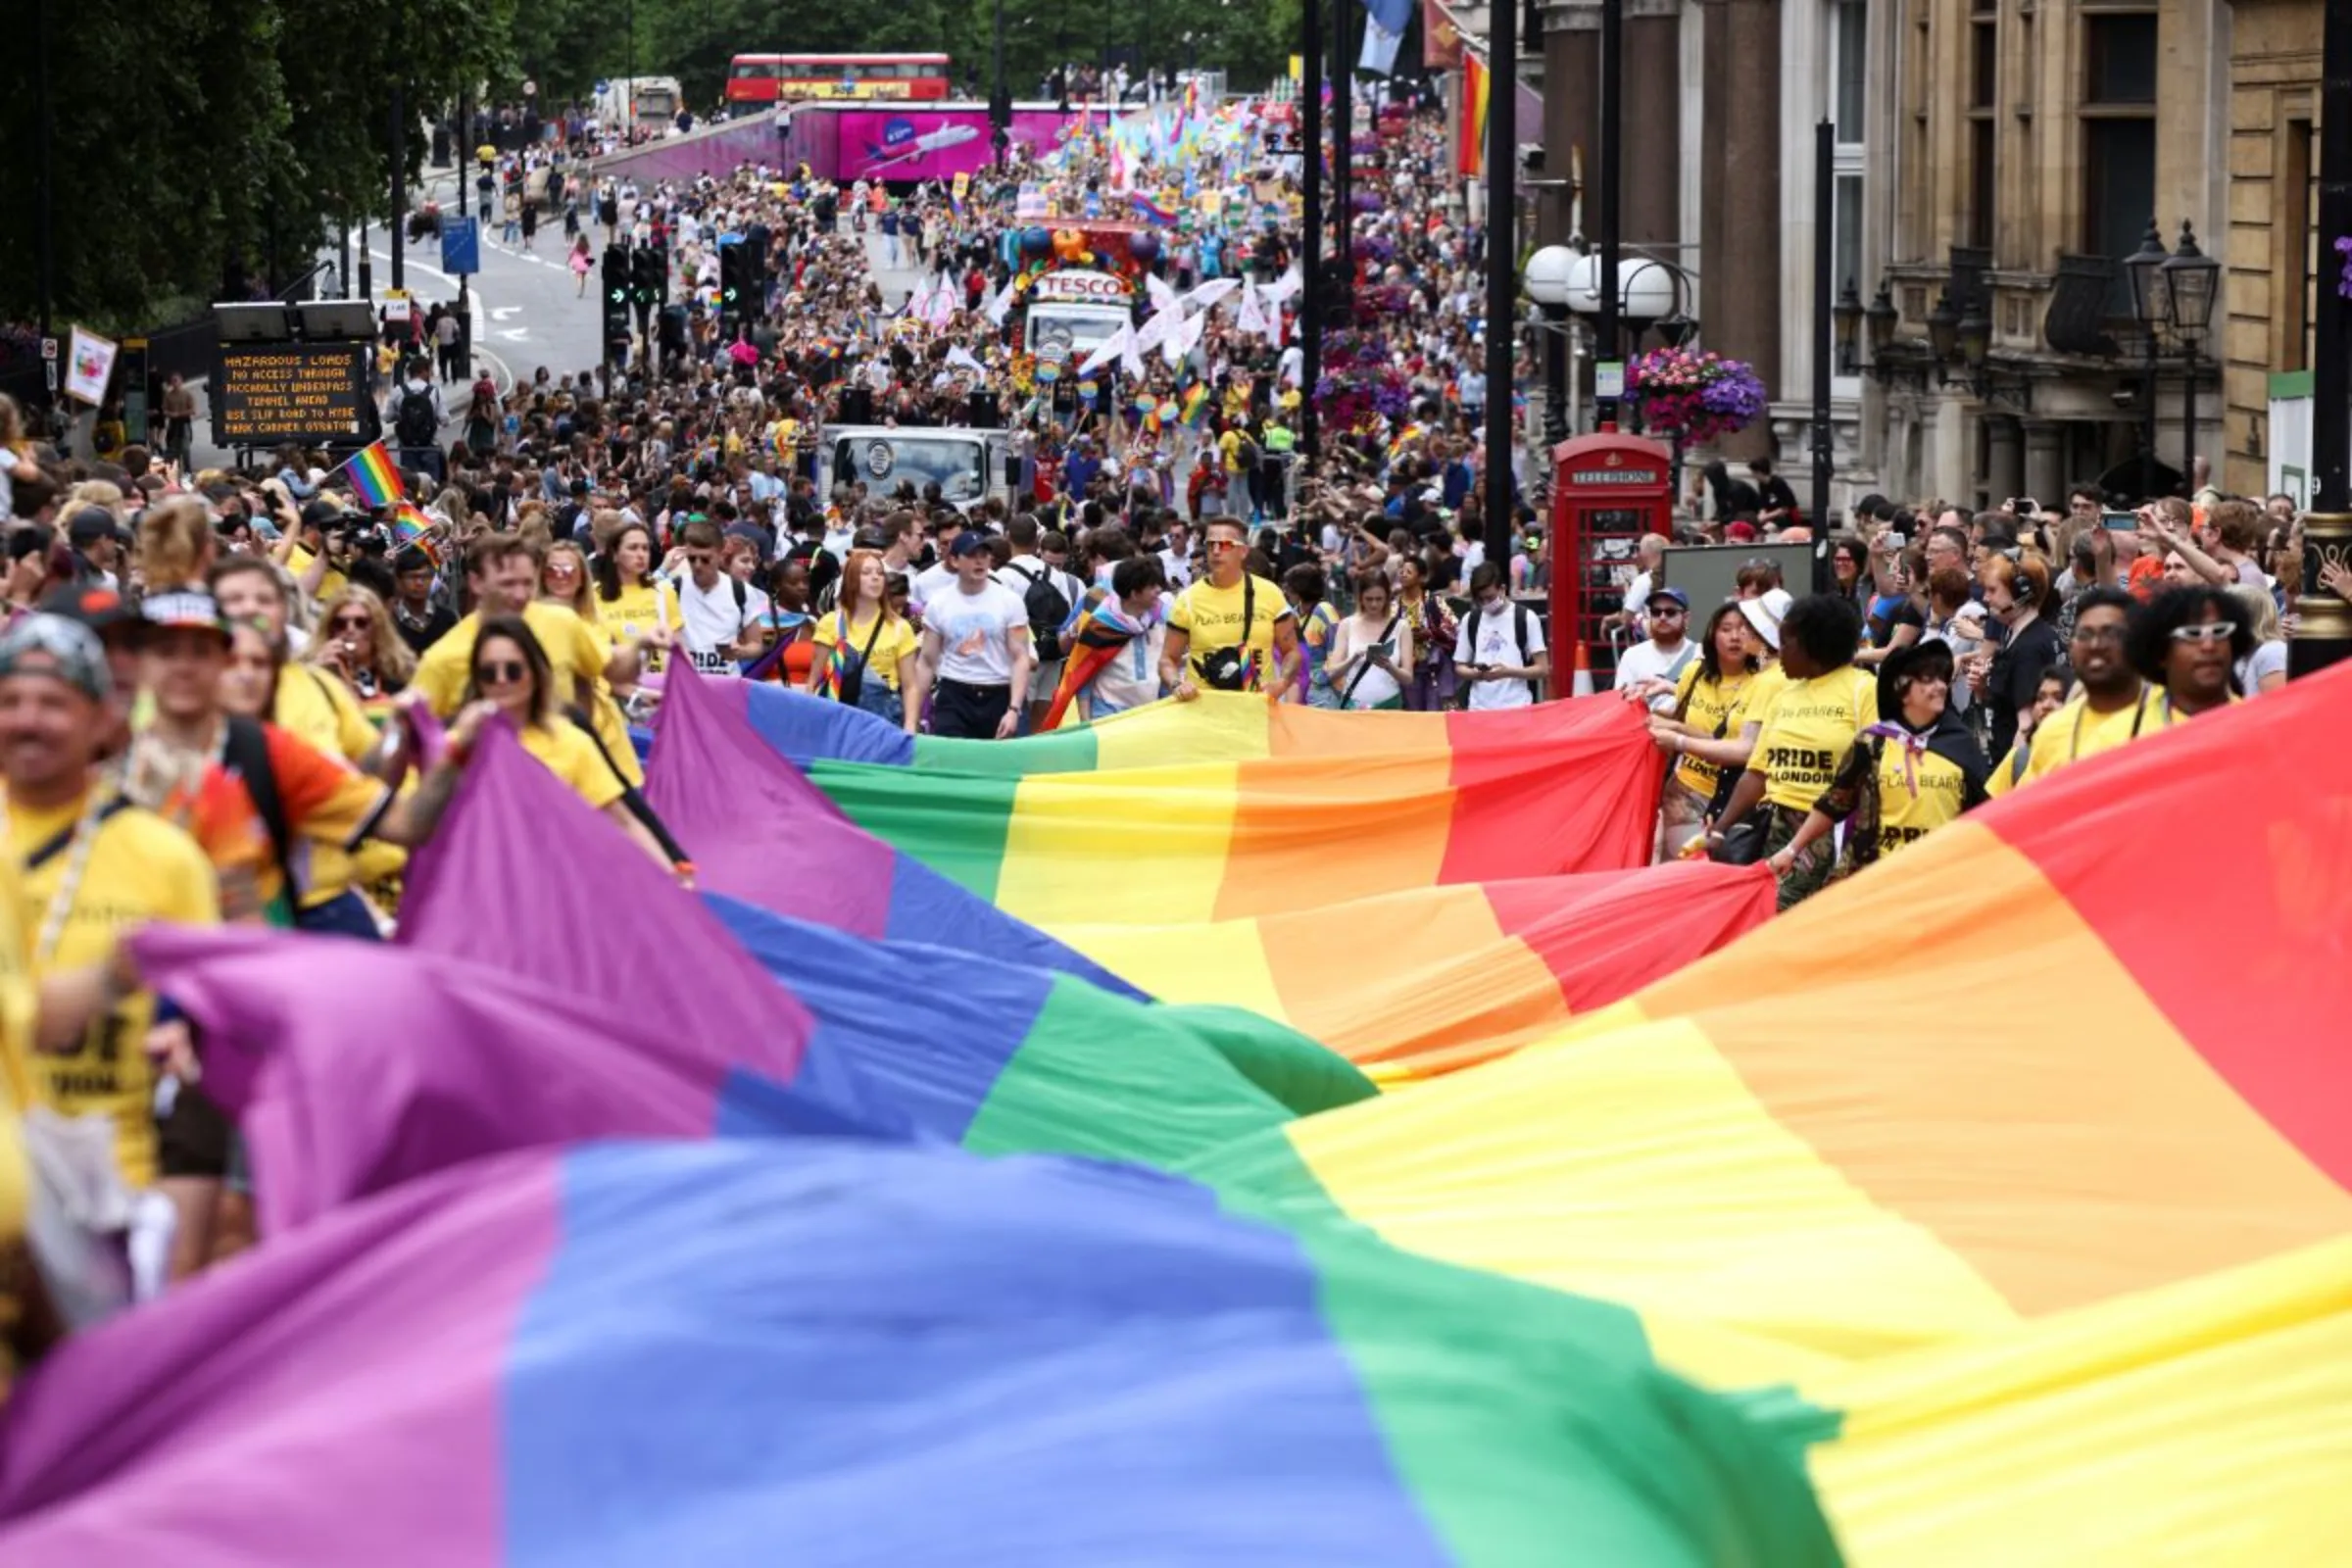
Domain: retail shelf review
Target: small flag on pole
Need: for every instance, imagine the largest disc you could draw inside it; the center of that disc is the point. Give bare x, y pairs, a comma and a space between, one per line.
410, 526
375, 476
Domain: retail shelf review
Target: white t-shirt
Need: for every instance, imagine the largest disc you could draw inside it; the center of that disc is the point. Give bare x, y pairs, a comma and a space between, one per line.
1647, 661
930, 582
1177, 568
712, 623
975, 632
1498, 643
1131, 678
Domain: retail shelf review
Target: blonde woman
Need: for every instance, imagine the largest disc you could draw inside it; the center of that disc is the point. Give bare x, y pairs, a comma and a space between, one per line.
358, 640
2265, 668
176, 546
564, 579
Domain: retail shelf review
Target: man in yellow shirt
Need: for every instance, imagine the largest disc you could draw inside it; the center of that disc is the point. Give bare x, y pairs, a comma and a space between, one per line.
92, 868
503, 573
1825, 702
2112, 705
1209, 643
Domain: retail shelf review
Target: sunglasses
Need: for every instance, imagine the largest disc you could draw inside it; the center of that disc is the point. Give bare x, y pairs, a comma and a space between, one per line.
502, 672
2206, 631
350, 623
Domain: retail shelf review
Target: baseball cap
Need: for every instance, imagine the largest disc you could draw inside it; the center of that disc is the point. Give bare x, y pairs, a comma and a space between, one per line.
1679, 598
970, 542
318, 513
1765, 613
93, 604
70, 650
89, 525
186, 608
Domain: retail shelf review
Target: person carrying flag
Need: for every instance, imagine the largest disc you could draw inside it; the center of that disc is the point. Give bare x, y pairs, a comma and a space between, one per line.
1115, 642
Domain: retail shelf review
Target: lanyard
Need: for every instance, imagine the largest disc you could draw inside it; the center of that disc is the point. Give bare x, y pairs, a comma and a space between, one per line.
2073, 753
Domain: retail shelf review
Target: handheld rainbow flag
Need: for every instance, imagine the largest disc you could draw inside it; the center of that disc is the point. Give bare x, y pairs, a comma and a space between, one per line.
375, 476
1194, 405
1101, 630
413, 528
1149, 211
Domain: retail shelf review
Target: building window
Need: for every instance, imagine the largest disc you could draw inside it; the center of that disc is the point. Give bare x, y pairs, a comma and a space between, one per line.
2119, 137
2297, 201
1852, 69
1984, 98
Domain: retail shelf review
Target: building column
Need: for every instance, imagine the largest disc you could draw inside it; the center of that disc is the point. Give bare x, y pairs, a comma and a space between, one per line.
1653, 156
2046, 463
1571, 116
1740, 221
2005, 464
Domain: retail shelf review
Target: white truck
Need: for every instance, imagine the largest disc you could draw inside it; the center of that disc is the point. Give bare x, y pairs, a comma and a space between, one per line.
646, 102
967, 464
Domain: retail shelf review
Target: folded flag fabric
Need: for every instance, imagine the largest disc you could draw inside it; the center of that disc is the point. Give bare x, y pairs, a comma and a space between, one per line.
375, 476
761, 833
1409, 985
1570, 787
1098, 631
2001, 1099
652, 1355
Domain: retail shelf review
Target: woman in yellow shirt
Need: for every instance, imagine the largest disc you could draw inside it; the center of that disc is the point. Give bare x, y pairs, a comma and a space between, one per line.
631, 602
866, 653
511, 673
1705, 701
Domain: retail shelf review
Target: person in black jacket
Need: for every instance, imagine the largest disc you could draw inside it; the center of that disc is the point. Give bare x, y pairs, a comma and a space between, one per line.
2015, 592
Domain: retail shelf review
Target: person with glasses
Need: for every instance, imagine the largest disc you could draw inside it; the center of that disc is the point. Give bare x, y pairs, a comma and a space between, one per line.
510, 676
357, 641
2112, 704
1650, 671
719, 613
1230, 630
2189, 644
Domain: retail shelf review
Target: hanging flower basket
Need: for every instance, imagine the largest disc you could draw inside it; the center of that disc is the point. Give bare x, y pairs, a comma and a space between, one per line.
2343, 283
1358, 384
1700, 396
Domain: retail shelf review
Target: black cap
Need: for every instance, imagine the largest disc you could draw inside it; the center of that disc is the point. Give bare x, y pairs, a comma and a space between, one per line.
89, 525
318, 512
93, 604
411, 559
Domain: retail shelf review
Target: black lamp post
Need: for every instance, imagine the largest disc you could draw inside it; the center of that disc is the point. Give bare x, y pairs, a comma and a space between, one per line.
1943, 329
1882, 316
2144, 269
1975, 336
2189, 277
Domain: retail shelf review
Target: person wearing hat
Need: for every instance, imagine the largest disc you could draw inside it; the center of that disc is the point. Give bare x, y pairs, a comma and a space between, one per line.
1650, 670
1824, 702
975, 653
1914, 770
98, 542
93, 867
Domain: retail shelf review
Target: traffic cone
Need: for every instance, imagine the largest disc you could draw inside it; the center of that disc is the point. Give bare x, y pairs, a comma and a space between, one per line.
1581, 685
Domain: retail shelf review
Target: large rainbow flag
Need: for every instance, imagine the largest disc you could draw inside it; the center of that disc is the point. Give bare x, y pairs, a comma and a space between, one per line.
2019, 1129
1573, 788
834, 1353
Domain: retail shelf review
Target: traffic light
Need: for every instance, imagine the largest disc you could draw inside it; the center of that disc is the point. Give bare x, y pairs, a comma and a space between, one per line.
652, 278
616, 300
736, 282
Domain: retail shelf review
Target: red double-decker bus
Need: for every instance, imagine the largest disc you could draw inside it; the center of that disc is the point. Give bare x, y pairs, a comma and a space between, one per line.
801, 79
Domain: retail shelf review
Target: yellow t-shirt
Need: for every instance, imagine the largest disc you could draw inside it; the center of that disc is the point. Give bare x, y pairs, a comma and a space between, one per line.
1810, 729
1706, 705
2075, 732
1757, 697
573, 756
331, 581
578, 659
1211, 616
1904, 816
640, 610
140, 868
315, 705
896, 641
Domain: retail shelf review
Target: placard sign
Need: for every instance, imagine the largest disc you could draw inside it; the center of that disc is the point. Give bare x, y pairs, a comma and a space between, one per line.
267, 392
1076, 286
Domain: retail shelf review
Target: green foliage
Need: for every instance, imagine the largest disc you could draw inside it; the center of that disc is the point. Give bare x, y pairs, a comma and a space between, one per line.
197, 144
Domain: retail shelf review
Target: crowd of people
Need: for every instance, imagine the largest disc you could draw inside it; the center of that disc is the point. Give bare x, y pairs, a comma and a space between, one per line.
244, 694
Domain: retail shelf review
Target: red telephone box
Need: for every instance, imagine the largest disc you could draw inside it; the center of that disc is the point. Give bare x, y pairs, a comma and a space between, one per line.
1608, 490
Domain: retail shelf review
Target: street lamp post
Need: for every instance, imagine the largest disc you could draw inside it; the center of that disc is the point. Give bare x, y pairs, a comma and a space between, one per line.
1547, 274
1310, 255
1609, 352
2322, 621
2188, 280
2144, 270
1503, 154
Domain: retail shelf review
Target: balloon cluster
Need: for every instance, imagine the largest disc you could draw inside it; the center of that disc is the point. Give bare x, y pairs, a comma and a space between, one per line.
1043, 249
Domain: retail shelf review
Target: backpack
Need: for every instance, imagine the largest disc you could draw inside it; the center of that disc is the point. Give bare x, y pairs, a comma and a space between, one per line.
246, 754
1048, 610
416, 424
1518, 646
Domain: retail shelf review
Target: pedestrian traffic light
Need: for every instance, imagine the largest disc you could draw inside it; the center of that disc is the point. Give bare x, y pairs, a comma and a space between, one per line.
735, 282
617, 299
652, 278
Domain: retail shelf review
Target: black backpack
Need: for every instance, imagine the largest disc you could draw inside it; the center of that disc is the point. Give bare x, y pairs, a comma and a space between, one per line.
1048, 610
417, 425
1519, 616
